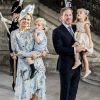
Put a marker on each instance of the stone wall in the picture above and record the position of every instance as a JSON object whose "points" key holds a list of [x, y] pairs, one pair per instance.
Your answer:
{"points": [[4, 50]]}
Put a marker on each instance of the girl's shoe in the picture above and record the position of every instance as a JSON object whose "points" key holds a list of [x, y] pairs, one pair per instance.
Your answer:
{"points": [[87, 74], [76, 64]]}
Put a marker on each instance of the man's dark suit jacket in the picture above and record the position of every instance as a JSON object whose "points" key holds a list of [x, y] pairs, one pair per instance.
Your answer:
{"points": [[63, 41]]}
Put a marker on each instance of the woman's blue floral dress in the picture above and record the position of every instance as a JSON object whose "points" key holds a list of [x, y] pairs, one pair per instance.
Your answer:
{"points": [[26, 87]]}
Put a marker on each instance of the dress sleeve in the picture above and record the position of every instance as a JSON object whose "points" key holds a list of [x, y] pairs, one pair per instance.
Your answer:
{"points": [[41, 35], [87, 22], [22, 53]]}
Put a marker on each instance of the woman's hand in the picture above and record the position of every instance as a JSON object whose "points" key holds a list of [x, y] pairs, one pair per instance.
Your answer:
{"points": [[35, 54], [44, 53]]}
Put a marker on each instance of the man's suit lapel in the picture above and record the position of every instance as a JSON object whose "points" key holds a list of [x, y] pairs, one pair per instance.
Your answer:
{"points": [[66, 32]]}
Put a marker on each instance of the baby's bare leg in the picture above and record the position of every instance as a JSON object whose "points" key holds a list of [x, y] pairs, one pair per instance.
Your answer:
{"points": [[29, 60]]}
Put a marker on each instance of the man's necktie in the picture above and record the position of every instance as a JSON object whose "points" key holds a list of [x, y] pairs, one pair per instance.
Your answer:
{"points": [[70, 30]]}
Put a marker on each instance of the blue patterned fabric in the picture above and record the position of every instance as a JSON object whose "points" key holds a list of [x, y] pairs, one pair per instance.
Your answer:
{"points": [[26, 87], [43, 44]]}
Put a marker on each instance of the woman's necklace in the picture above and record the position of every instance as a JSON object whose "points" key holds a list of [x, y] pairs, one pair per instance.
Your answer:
{"points": [[22, 30]]}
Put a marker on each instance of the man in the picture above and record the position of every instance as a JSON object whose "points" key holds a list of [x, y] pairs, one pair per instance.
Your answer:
{"points": [[63, 41], [15, 11], [68, 3]]}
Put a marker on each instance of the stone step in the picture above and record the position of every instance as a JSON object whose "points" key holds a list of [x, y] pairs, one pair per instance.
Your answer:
{"points": [[94, 59], [97, 73], [5, 9], [97, 46], [96, 70], [50, 62], [96, 40], [96, 67], [93, 78], [51, 17], [91, 82]]}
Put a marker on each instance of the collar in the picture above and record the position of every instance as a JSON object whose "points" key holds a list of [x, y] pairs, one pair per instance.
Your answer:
{"points": [[66, 25]]}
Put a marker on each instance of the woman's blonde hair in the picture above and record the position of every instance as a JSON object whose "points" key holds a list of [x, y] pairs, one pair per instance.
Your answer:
{"points": [[44, 23], [86, 13]]}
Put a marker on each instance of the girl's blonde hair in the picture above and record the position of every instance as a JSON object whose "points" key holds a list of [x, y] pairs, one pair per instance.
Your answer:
{"points": [[86, 13], [44, 23]]}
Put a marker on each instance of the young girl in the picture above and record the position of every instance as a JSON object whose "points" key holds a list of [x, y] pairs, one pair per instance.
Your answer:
{"points": [[40, 41], [83, 38]]}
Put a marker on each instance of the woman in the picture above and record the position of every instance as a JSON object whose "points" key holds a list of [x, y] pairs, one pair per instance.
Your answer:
{"points": [[22, 44]]}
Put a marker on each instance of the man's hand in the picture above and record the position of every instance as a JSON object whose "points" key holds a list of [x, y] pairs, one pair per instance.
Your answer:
{"points": [[13, 55], [75, 44]]}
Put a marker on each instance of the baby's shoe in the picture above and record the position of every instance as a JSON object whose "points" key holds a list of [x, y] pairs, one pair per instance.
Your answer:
{"points": [[87, 74], [77, 63]]}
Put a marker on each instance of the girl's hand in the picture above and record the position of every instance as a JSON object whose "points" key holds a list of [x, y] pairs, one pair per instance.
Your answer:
{"points": [[37, 30]]}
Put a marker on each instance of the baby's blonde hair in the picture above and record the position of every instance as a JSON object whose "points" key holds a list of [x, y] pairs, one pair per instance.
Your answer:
{"points": [[44, 23], [86, 13]]}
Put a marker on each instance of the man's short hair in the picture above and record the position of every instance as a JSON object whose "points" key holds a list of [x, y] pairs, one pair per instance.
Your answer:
{"points": [[64, 9]]}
